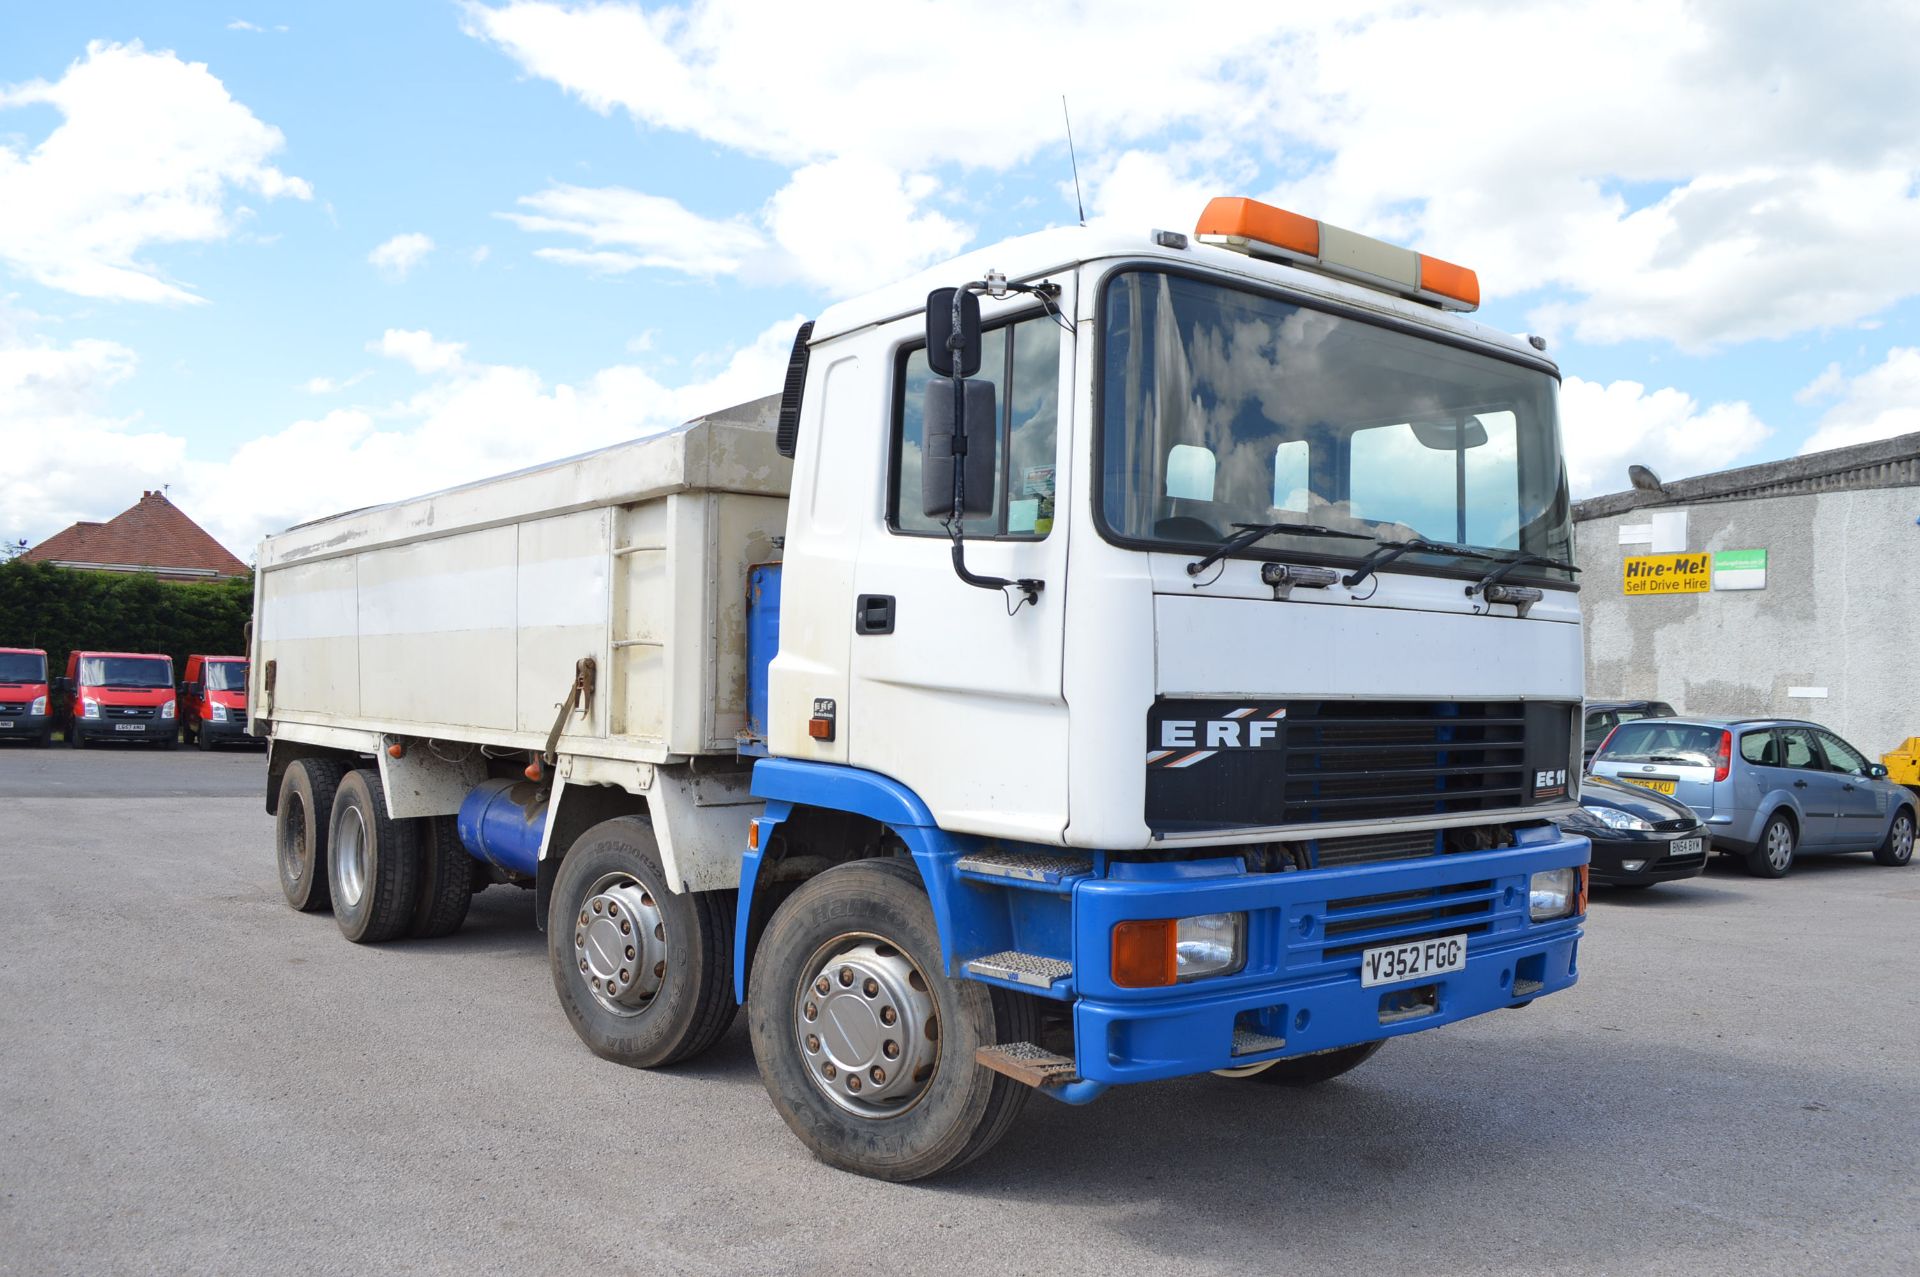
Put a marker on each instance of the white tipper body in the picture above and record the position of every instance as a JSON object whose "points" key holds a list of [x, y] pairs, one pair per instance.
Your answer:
{"points": [[458, 617]]}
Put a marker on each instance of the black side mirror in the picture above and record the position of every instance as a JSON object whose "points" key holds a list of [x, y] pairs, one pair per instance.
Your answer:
{"points": [[1878, 771], [190, 690], [942, 357], [938, 454]]}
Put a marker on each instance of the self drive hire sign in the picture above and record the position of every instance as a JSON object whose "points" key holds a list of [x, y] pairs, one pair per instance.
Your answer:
{"points": [[1668, 574]]}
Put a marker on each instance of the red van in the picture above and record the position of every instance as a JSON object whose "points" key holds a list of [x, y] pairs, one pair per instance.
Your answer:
{"points": [[117, 696], [213, 701], [23, 696]]}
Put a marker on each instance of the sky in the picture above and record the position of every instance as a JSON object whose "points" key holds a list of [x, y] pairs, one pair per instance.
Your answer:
{"points": [[289, 257]]}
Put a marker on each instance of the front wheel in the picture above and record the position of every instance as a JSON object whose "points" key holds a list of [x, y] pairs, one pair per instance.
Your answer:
{"points": [[865, 1046], [1321, 1066], [1898, 848], [642, 971], [1773, 856]]}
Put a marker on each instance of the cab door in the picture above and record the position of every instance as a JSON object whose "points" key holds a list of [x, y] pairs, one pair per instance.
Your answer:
{"points": [[955, 690], [1815, 788]]}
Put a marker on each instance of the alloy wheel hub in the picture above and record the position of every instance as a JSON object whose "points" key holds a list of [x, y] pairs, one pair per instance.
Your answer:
{"points": [[868, 1030]]}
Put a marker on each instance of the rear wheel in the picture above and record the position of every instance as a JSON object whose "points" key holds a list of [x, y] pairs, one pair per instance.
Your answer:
{"points": [[302, 819], [1898, 848], [1773, 855], [201, 739], [1321, 1066], [74, 738], [373, 862], [446, 880], [865, 1046], [44, 739], [642, 971]]}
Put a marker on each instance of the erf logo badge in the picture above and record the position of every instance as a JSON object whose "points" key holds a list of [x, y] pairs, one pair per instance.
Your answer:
{"points": [[1550, 784], [1186, 741]]}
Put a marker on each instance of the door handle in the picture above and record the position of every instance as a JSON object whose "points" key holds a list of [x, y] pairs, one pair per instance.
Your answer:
{"points": [[1848, 788], [1799, 784], [873, 614]]}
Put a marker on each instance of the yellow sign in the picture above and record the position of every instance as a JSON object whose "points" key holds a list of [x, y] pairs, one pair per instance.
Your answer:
{"points": [[1668, 574]]}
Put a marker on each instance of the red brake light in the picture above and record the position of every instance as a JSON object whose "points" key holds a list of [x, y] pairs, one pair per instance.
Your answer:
{"points": [[1723, 757], [1606, 740]]}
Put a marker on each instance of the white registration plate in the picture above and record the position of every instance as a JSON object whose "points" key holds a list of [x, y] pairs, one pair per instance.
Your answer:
{"points": [[1392, 963], [6, 722], [1684, 847], [129, 727]]}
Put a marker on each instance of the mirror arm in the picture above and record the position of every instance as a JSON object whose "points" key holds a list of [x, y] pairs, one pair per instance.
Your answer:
{"points": [[956, 339]]}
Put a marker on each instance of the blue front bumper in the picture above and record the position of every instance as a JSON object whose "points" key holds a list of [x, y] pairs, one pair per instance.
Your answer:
{"points": [[1300, 989]]}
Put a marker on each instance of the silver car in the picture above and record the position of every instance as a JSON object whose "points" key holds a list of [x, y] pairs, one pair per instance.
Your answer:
{"points": [[1767, 789]]}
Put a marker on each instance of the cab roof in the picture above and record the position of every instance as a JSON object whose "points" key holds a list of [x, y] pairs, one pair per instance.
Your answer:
{"points": [[1041, 254]]}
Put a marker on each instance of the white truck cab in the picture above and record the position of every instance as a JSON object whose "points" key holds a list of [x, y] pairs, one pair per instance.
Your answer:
{"points": [[1161, 657]]}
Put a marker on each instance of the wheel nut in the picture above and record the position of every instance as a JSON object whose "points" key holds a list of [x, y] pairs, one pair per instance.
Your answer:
{"points": [[583, 917], [871, 988], [888, 1015], [828, 1071], [823, 986], [853, 1082], [811, 1011], [625, 975], [579, 939], [583, 966], [813, 1042], [878, 1074], [890, 1049], [846, 977], [613, 911], [626, 928], [598, 906], [629, 953]]}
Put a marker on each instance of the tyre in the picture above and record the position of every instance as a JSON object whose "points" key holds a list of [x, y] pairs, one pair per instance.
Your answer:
{"points": [[74, 738], [44, 739], [1898, 848], [201, 739], [1772, 856], [446, 880], [373, 862], [1321, 1066], [865, 1046], [643, 972], [171, 741], [302, 820]]}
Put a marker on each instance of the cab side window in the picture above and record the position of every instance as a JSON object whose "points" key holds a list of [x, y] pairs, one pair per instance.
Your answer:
{"points": [[1023, 362]]}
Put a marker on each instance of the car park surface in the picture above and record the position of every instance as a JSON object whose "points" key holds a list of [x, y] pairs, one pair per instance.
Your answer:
{"points": [[249, 1093]]}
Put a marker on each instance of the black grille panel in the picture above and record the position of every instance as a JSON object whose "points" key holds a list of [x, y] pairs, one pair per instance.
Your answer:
{"points": [[1365, 921], [12, 710], [127, 711], [1221, 764], [1374, 847]]}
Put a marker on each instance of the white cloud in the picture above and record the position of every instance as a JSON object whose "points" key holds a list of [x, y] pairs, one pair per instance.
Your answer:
{"points": [[1551, 147], [630, 229], [1881, 402], [397, 257], [241, 24], [480, 254], [146, 153], [333, 385], [65, 456], [420, 349], [1606, 428]]}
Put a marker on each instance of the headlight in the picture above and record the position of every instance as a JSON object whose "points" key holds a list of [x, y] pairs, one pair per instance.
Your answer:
{"points": [[218, 713], [39, 705], [89, 708], [1210, 944], [1613, 818], [166, 710], [1550, 894]]}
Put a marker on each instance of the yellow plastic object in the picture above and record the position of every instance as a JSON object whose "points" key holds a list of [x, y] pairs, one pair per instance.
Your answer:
{"points": [[1903, 764]]}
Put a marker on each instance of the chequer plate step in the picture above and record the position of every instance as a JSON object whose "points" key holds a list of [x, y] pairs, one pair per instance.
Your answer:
{"points": [[1024, 866], [1025, 1062], [1022, 968]]}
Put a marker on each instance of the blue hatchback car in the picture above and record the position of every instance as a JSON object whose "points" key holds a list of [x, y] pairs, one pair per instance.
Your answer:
{"points": [[1767, 789]]}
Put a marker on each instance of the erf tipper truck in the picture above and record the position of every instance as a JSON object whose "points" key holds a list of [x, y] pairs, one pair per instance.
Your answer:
{"points": [[1112, 658]]}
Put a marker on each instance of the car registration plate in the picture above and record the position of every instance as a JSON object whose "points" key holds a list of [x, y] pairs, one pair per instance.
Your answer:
{"points": [[1684, 847], [6, 722], [1392, 963], [129, 727], [1657, 786]]}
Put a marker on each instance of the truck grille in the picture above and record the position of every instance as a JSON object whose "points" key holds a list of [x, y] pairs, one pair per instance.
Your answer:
{"points": [[11, 710], [127, 711], [1400, 845], [1364, 921], [1218, 764]]}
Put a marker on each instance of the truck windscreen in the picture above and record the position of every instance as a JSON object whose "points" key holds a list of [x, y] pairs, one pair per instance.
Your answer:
{"points": [[125, 671], [1223, 408], [22, 667]]}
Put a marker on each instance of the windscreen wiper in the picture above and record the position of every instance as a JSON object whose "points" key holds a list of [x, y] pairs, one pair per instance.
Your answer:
{"points": [[1509, 563], [1388, 551], [1251, 532]]}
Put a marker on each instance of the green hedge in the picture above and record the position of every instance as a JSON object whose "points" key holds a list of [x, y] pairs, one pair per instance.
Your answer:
{"points": [[60, 609]]}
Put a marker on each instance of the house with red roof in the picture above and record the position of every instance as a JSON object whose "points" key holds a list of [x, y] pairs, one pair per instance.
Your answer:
{"points": [[155, 537]]}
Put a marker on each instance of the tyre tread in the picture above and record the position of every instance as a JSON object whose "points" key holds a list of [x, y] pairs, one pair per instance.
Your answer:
{"points": [[447, 875]]}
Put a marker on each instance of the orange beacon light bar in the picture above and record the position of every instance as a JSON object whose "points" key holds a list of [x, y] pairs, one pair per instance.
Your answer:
{"points": [[1261, 230]]}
